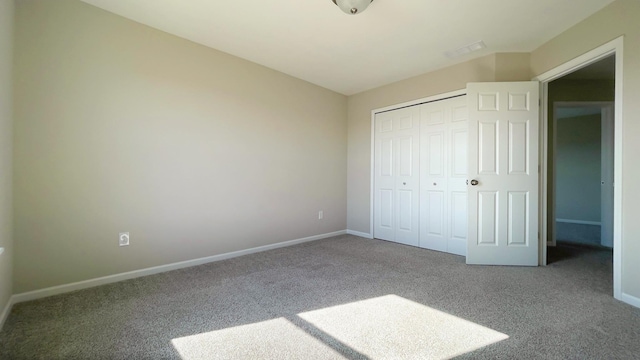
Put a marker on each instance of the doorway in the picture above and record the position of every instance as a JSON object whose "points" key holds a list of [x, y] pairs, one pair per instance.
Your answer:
{"points": [[582, 160], [609, 53], [580, 156]]}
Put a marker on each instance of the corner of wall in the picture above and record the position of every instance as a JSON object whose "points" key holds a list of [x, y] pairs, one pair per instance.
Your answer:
{"points": [[7, 15], [513, 67]]}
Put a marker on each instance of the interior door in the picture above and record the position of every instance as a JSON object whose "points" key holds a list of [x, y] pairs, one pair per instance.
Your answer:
{"points": [[396, 180], [503, 173]]}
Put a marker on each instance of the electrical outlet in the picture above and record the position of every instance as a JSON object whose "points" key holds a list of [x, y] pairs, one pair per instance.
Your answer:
{"points": [[320, 215], [123, 239]]}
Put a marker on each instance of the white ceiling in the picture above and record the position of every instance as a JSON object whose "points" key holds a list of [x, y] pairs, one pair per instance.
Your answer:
{"points": [[392, 40]]}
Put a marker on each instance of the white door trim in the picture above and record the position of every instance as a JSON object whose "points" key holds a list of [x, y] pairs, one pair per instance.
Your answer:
{"points": [[373, 118], [607, 153], [613, 47]]}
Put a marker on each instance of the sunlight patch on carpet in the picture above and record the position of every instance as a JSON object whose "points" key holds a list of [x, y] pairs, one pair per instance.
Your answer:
{"points": [[392, 327], [386, 327], [272, 339]]}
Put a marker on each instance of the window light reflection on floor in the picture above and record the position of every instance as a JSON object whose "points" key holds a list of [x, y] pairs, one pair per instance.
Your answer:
{"points": [[391, 327], [271, 339], [387, 327]]}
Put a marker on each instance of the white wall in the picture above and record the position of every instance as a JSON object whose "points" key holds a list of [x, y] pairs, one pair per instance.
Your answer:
{"points": [[6, 105], [120, 127]]}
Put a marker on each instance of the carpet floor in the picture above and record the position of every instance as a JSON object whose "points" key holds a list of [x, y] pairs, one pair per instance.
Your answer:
{"points": [[339, 298]]}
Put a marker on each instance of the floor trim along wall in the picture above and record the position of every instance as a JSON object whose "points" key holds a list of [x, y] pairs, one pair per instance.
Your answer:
{"points": [[359, 233], [38, 294], [631, 300], [579, 222], [5, 312]]}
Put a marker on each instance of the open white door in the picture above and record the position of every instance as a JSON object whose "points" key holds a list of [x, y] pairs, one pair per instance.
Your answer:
{"points": [[503, 173]]}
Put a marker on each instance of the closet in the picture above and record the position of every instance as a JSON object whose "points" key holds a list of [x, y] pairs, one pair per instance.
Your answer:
{"points": [[420, 174]]}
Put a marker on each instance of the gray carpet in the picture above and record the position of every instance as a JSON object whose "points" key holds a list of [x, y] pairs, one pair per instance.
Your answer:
{"points": [[343, 297]]}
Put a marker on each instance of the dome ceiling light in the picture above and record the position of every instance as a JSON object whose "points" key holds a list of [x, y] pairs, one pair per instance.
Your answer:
{"points": [[352, 7]]}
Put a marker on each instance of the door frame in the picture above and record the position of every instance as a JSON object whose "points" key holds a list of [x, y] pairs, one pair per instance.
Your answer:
{"points": [[373, 119], [614, 47], [605, 120]]}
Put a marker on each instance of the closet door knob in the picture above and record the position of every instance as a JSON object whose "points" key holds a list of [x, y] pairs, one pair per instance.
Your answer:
{"points": [[474, 182]]}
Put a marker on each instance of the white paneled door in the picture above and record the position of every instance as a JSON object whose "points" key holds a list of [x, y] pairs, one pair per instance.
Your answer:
{"points": [[443, 175], [503, 173], [396, 177]]}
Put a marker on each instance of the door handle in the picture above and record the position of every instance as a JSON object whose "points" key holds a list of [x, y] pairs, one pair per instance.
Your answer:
{"points": [[474, 182]]}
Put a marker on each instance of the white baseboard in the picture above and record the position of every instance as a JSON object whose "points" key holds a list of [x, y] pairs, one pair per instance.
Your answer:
{"points": [[55, 290], [631, 300], [580, 222], [358, 233], [6, 311]]}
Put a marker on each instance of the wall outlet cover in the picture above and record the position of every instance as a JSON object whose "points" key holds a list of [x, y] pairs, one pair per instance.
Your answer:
{"points": [[123, 239]]}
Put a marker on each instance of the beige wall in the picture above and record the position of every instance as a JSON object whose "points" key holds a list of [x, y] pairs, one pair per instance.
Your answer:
{"points": [[496, 67], [6, 60], [120, 127], [619, 18], [513, 67]]}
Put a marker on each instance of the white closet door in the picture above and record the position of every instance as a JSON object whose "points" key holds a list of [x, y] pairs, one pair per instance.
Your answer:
{"points": [[503, 166], [458, 170], [396, 180], [443, 173]]}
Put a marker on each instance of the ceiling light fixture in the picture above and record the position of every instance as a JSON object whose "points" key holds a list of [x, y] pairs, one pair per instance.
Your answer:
{"points": [[352, 7]]}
